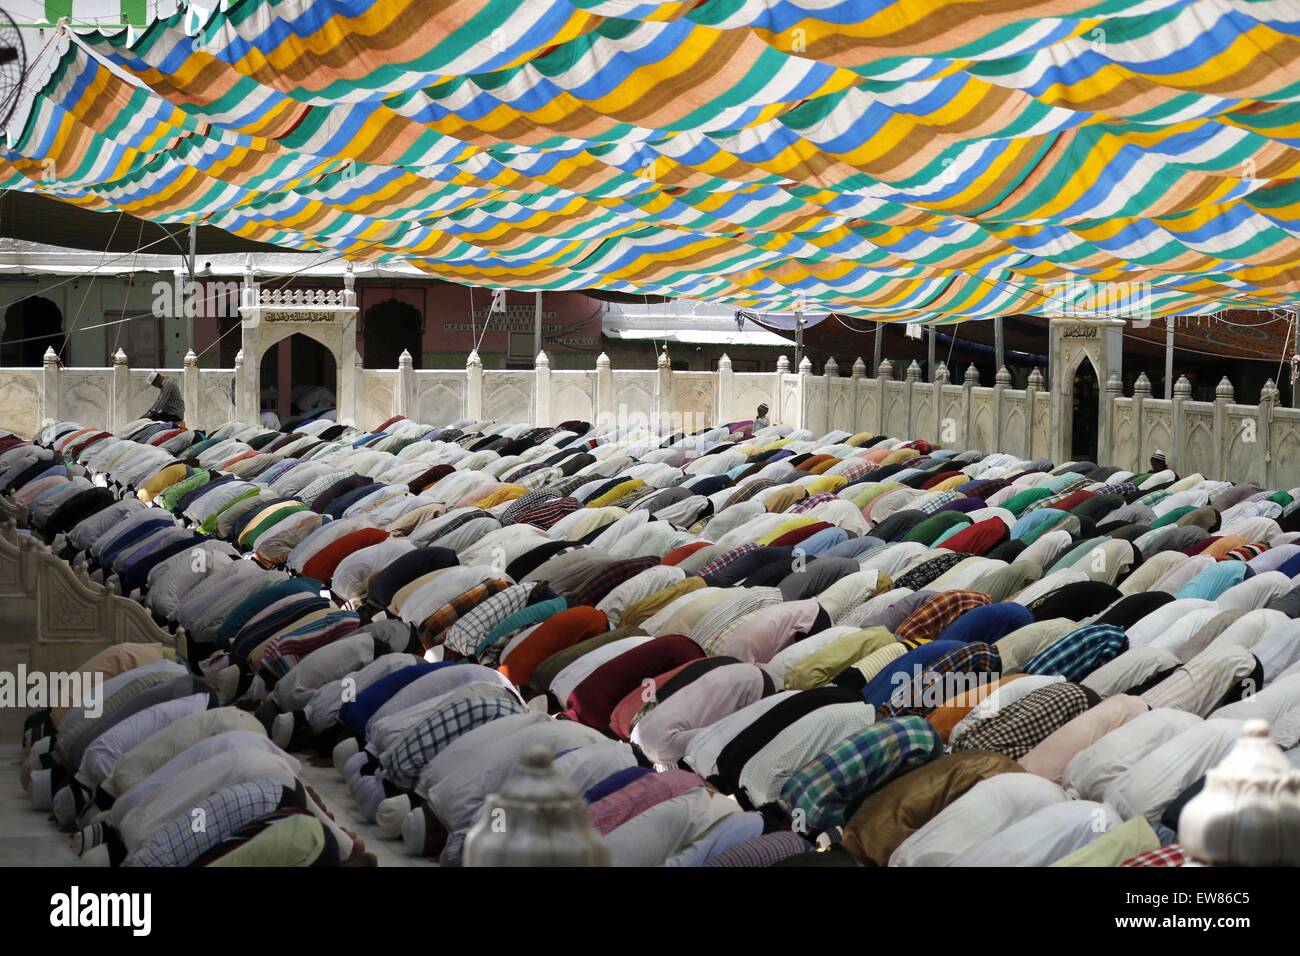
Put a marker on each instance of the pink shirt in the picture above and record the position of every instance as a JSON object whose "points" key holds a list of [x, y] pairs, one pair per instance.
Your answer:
{"points": [[1049, 758], [762, 635]]}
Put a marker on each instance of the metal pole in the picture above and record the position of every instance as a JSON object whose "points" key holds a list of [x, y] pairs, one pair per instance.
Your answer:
{"points": [[537, 324], [193, 289], [876, 357], [999, 350], [1169, 357], [798, 339], [929, 352]]}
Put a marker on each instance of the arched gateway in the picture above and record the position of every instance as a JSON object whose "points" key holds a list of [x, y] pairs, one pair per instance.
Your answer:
{"points": [[328, 316]]}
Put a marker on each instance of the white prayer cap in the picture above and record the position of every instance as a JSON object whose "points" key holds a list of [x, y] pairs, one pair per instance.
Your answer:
{"points": [[390, 815], [344, 749]]}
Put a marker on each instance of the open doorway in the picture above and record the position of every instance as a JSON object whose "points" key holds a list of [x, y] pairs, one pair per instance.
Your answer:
{"points": [[299, 379], [32, 325], [391, 327], [1085, 396]]}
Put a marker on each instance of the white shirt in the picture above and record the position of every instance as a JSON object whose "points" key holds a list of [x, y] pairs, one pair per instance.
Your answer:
{"points": [[983, 811], [1156, 780], [664, 830], [1092, 770], [1043, 837], [766, 772]]}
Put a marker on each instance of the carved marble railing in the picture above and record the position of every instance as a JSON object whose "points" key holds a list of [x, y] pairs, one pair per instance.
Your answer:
{"points": [[58, 611], [1220, 439]]}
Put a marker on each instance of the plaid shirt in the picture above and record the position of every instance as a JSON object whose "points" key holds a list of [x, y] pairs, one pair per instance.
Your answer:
{"points": [[463, 636], [402, 764], [823, 789], [725, 559], [1052, 500], [930, 569], [1023, 725], [608, 578], [490, 647], [526, 503], [811, 502], [970, 659], [762, 850], [749, 490], [1079, 653], [937, 500], [928, 621], [1171, 855], [611, 812], [188, 836], [434, 627]]}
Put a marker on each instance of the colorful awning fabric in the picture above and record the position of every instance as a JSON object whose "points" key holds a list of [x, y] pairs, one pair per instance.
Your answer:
{"points": [[917, 160]]}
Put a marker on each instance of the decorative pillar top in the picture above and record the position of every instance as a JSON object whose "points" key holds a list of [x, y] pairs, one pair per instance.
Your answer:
{"points": [[1036, 378], [239, 358], [832, 367], [547, 821], [1182, 387], [886, 370], [51, 357], [602, 360], [913, 373], [724, 362], [782, 365], [191, 360], [542, 361], [805, 366], [663, 359], [1223, 391], [859, 368], [1003, 378], [404, 360], [941, 376], [1248, 813], [1142, 386], [119, 357], [1269, 395], [1115, 383], [972, 376], [473, 359]]}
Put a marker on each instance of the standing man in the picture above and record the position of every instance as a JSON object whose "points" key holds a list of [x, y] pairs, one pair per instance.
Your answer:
{"points": [[760, 418], [170, 406]]}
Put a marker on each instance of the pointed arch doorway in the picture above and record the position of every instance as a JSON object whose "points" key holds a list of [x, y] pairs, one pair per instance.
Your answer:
{"points": [[1085, 402], [298, 375]]}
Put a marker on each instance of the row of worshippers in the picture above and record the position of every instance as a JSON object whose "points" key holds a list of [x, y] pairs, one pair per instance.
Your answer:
{"points": [[750, 637]]}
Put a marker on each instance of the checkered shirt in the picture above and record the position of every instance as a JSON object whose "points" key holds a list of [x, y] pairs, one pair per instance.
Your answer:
{"points": [[189, 835], [434, 628], [471, 627], [928, 621], [822, 790], [970, 659], [402, 764], [1171, 855], [1079, 653], [1023, 725]]}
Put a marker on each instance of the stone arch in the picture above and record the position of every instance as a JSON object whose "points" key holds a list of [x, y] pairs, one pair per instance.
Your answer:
{"points": [[1083, 406], [312, 374]]}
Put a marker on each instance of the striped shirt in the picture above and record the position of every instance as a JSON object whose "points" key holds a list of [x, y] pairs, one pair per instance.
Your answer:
{"points": [[170, 404], [954, 673]]}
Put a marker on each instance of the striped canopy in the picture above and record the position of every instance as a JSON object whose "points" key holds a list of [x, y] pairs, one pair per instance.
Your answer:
{"points": [[917, 160]]}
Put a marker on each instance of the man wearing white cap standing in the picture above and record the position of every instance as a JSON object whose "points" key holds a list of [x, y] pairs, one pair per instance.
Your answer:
{"points": [[170, 406]]}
